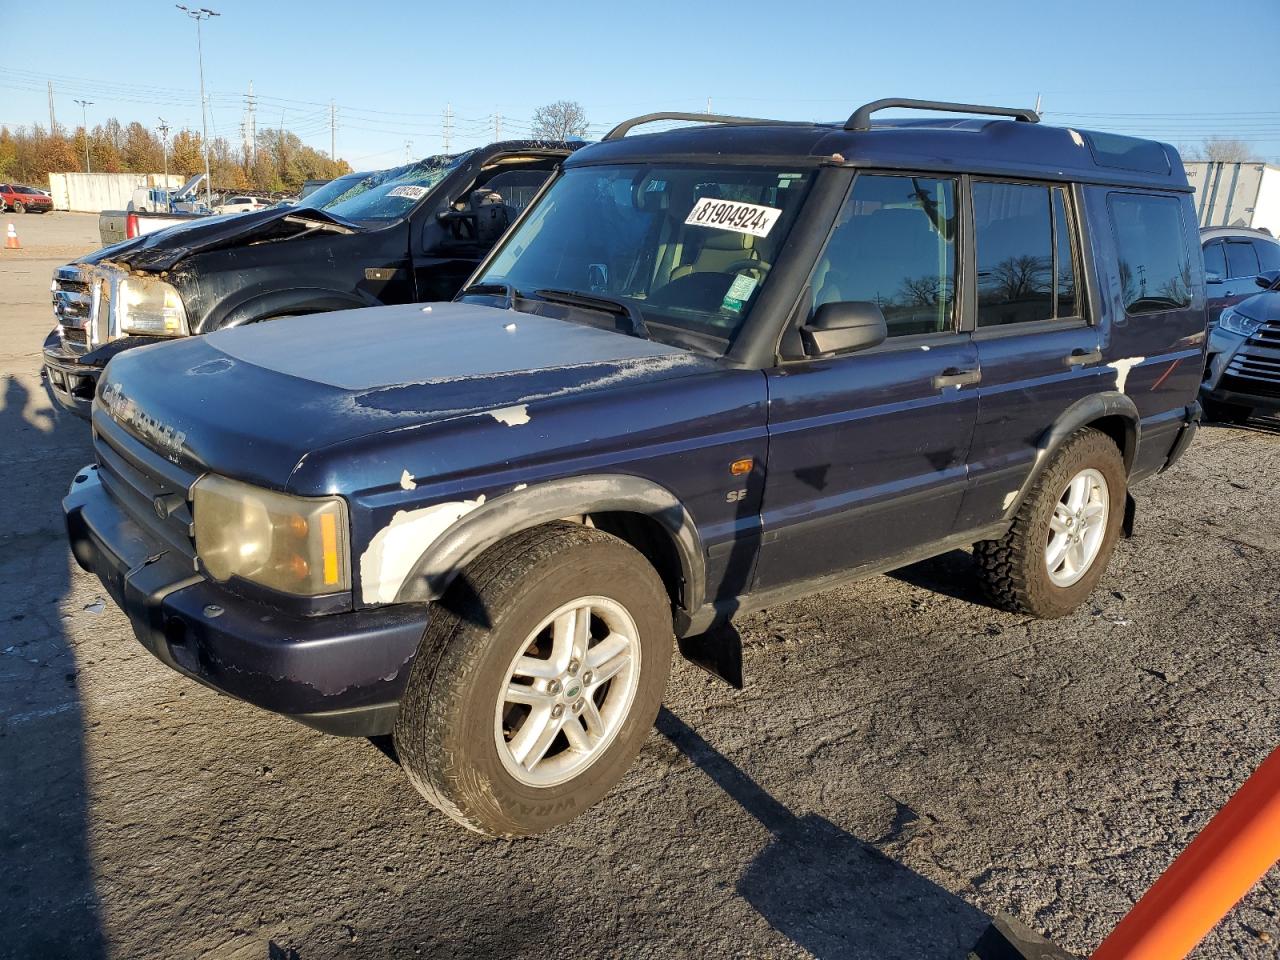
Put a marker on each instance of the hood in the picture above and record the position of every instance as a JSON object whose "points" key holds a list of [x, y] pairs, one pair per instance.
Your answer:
{"points": [[159, 251], [252, 402], [1264, 306]]}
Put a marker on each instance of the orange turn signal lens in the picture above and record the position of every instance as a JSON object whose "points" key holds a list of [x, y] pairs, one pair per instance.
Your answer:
{"points": [[329, 547], [741, 467]]}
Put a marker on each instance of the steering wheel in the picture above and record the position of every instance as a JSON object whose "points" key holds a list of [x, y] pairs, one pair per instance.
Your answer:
{"points": [[747, 263]]}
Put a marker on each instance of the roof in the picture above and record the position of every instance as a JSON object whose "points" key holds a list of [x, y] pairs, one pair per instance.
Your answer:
{"points": [[1251, 233], [999, 147]]}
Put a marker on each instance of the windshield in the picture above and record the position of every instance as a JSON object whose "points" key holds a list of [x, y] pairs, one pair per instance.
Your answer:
{"points": [[387, 194], [330, 191], [689, 248]]}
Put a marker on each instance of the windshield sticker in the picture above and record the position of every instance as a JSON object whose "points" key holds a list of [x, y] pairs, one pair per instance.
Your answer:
{"points": [[733, 215], [739, 293], [409, 192]]}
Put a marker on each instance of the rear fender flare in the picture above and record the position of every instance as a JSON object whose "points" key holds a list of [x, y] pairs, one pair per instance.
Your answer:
{"points": [[497, 519], [1081, 414]]}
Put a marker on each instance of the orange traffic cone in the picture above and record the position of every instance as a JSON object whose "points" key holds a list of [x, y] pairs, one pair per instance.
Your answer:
{"points": [[11, 239]]}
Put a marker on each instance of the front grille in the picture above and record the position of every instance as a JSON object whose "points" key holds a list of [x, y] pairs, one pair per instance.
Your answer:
{"points": [[73, 307], [1255, 367], [138, 477]]}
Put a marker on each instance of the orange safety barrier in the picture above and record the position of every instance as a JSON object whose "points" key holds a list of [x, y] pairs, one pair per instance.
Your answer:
{"points": [[1228, 857]]}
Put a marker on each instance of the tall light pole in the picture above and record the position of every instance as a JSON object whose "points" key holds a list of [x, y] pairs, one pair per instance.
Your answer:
{"points": [[201, 14], [84, 113]]}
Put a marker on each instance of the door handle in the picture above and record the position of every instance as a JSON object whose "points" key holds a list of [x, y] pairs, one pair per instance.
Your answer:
{"points": [[955, 377], [1079, 356]]}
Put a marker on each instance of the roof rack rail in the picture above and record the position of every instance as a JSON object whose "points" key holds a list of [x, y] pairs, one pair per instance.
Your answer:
{"points": [[622, 129], [861, 118]]}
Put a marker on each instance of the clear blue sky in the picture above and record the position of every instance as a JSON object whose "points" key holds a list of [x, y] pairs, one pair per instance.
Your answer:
{"points": [[1180, 71]]}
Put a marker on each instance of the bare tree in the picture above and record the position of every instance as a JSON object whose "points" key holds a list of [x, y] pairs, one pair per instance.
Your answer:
{"points": [[1221, 149], [560, 121]]}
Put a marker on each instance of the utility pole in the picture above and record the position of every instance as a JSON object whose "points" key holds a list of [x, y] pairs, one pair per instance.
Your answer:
{"points": [[164, 146], [497, 124], [53, 120], [84, 113], [333, 131], [708, 104], [200, 15], [408, 150], [253, 126], [448, 125]]}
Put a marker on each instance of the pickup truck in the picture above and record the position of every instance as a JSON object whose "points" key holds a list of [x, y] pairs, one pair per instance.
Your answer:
{"points": [[708, 370], [395, 236], [152, 209]]}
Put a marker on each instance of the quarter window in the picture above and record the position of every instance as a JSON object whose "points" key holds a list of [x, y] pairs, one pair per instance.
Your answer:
{"points": [[1025, 260], [1215, 261], [894, 245], [1268, 254], [1155, 269]]}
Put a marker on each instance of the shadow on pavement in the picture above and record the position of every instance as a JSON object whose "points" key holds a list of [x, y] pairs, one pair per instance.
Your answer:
{"points": [[951, 574], [50, 908], [826, 890]]}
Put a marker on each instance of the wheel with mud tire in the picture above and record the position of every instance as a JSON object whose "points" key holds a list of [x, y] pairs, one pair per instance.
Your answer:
{"points": [[1220, 412], [538, 680], [1063, 533], [19, 207]]}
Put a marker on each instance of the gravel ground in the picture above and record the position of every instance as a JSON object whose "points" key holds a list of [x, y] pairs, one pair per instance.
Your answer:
{"points": [[904, 763]]}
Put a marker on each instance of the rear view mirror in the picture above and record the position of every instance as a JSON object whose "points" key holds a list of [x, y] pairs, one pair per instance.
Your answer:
{"points": [[1267, 279], [843, 326]]}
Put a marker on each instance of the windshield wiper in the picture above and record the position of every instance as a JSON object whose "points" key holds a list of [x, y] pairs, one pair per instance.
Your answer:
{"points": [[494, 286], [597, 301], [321, 220]]}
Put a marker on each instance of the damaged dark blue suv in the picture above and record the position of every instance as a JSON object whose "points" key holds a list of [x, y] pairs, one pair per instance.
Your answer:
{"points": [[706, 370]]}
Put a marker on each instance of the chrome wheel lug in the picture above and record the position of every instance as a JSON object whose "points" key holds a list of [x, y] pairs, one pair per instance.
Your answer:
{"points": [[557, 711], [554, 688], [588, 677], [573, 668], [577, 707]]}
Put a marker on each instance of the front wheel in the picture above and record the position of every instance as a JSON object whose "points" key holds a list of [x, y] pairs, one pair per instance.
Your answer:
{"points": [[1063, 534], [19, 207], [538, 680]]}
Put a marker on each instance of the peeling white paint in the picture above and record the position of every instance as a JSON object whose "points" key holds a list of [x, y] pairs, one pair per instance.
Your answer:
{"points": [[406, 481], [396, 547], [1122, 368], [519, 486], [1079, 140], [1009, 497], [510, 328], [512, 416]]}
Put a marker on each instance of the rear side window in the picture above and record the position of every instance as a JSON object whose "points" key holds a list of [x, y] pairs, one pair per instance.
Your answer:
{"points": [[894, 246], [1241, 260], [1025, 258], [1155, 269]]}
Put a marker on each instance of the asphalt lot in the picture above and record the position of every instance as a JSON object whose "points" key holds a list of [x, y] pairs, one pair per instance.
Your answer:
{"points": [[904, 763]]}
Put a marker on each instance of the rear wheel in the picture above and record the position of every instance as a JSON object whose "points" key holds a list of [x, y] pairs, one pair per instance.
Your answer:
{"points": [[19, 207], [1063, 535], [538, 680], [1221, 412]]}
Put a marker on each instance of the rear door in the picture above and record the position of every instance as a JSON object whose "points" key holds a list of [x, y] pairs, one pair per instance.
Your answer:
{"points": [[1038, 351], [867, 451]]}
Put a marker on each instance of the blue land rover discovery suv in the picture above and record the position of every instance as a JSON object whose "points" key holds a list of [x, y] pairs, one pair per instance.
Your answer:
{"points": [[707, 369]]}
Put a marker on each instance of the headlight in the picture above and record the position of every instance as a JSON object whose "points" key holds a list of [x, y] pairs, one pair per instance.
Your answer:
{"points": [[297, 545], [150, 307], [1235, 322]]}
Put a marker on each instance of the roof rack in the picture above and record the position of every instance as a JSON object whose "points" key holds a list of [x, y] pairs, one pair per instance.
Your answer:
{"points": [[622, 129], [861, 118]]}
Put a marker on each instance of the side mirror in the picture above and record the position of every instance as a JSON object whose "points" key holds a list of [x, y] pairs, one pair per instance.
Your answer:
{"points": [[844, 326], [1267, 279]]}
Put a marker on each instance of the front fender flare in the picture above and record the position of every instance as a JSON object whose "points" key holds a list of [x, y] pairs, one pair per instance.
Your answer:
{"points": [[299, 300], [1080, 414], [510, 513]]}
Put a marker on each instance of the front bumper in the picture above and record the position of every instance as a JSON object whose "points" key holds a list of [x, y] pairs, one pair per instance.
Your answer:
{"points": [[1255, 383], [71, 382], [340, 673]]}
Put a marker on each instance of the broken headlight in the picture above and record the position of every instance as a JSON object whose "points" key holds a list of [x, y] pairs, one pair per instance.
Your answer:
{"points": [[150, 307], [296, 545]]}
